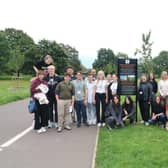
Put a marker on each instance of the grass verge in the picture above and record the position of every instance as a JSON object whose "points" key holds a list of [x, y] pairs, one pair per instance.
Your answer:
{"points": [[132, 147], [10, 90]]}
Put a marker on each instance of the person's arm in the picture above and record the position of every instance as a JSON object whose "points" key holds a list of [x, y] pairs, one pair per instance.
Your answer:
{"points": [[133, 110], [36, 70], [159, 89], [86, 96], [57, 90], [106, 89], [73, 96], [94, 94]]}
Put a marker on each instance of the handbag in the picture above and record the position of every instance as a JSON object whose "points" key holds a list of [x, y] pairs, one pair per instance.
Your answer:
{"points": [[32, 106]]}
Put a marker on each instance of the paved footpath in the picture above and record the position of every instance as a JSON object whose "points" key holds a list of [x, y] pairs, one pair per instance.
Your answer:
{"points": [[22, 147]]}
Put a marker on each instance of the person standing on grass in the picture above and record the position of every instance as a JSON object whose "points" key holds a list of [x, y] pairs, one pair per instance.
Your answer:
{"points": [[158, 112], [65, 92], [113, 88], [144, 97], [38, 91], [129, 110], [163, 88], [109, 79], [80, 99], [114, 113], [100, 96], [91, 111], [53, 79]]}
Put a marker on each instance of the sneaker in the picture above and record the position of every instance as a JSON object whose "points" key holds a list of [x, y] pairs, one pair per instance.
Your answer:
{"points": [[146, 123], [142, 122], [68, 128], [86, 124], [99, 124], [103, 124], [49, 124], [59, 129], [78, 125], [41, 130], [54, 125]]}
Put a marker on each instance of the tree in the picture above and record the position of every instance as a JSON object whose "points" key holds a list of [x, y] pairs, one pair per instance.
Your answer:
{"points": [[16, 60], [20, 45], [73, 57], [54, 49], [106, 60], [146, 51], [122, 55], [4, 52], [160, 62]]}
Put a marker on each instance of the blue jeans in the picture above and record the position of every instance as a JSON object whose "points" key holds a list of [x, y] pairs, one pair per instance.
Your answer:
{"points": [[91, 113], [80, 111], [161, 118]]}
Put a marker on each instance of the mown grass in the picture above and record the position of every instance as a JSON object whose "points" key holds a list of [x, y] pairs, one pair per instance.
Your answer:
{"points": [[136, 146], [11, 90]]}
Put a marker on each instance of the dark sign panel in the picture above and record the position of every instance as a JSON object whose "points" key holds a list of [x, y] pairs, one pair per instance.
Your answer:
{"points": [[127, 72]]}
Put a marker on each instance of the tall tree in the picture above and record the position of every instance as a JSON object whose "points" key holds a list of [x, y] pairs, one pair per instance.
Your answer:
{"points": [[161, 62], [4, 52], [146, 51], [106, 60], [54, 49]]}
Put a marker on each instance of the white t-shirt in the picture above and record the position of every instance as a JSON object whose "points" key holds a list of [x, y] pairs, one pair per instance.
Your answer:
{"points": [[101, 86], [163, 87], [90, 88], [114, 87]]}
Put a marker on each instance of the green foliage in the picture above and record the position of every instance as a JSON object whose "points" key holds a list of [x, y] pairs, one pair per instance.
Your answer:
{"points": [[18, 52], [161, 62], [106, 60], [145, 51]]}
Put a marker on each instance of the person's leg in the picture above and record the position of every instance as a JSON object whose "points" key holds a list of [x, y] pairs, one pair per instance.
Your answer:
{"points": [[37, 124], [50, 116], [55, 108], [44, 115], [103, 102], [162, 119], [97, 107], [89, 111], [83, 111], [68, 118], [60, 109], [78, 112], [110, 122], [141, 107], [146, 111]]}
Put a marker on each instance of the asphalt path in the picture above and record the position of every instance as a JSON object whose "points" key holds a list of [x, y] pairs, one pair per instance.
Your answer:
{"points": [[69, 149]]}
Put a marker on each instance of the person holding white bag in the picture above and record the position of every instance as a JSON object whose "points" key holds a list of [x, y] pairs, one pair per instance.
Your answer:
{"points": [[38, 90]]}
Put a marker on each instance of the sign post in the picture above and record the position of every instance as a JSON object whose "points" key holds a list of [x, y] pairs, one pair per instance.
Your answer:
{"points": [[127, 73]]}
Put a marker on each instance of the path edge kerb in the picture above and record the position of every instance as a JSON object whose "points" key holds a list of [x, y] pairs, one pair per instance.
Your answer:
{"points": [[95, 149]]}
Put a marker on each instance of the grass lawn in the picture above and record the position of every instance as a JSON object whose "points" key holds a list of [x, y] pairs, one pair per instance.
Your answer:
{"points": [[136, 146], [10, 92]]}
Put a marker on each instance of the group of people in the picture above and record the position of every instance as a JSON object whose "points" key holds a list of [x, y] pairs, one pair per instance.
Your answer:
{"points": [[153, 99], [92, 100]]}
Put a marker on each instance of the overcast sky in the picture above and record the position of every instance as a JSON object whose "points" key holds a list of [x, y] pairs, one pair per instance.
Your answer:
{"points": [[89, 25]]}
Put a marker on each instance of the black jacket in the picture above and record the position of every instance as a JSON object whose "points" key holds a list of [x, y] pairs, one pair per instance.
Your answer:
{"points": [[145, 92], [154, 86], [114, 111], [52, 83]]}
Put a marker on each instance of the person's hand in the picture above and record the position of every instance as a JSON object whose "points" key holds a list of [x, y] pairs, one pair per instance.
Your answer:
{"points": [[85, 102], [94, 101], [106, 101], [124, 118], [154, 117]]}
